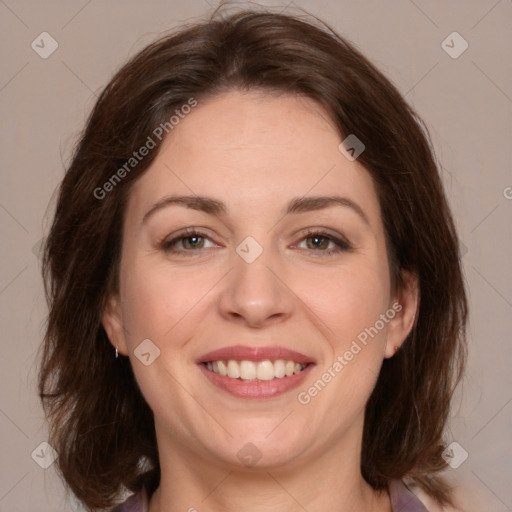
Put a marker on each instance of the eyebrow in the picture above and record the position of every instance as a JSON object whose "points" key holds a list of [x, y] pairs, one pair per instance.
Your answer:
{"points": [[218, 208]]}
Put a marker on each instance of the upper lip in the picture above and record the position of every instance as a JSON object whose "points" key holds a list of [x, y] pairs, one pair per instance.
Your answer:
{"points": [[242, 352]]}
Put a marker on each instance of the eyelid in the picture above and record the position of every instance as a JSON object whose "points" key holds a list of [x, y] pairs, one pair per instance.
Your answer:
{"points": [[189, 232], [342, 244]]}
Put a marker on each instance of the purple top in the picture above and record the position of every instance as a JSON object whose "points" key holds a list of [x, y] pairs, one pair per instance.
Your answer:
{"points": [[402, 500]]}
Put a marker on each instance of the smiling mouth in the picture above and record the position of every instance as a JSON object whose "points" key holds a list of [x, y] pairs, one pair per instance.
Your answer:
{"points": [[265, 370]]}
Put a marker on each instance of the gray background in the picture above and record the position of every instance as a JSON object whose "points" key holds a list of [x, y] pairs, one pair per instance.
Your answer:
{"points": [[465, 101]]}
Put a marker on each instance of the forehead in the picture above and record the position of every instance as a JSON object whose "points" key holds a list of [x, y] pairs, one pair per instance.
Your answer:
{"points": [[254, 150]]}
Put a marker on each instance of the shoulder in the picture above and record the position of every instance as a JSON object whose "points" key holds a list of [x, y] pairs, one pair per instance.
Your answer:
{"points": [[403, 499], [430, 504], [137, 502], [464, 500]]}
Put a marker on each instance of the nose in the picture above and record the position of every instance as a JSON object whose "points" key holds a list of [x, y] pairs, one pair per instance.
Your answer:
{"points": [[256, 293]]}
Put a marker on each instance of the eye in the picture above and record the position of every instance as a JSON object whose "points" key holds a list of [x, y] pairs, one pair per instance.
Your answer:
{"points": [[324, 242], [191, 240]]}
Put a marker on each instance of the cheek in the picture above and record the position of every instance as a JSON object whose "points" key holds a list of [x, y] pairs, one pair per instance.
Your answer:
{"points": [[356, 335], [160, 302], [350, 302]]}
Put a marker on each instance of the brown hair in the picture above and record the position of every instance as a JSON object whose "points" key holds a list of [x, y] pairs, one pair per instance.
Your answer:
{"points": [[100, 424]]}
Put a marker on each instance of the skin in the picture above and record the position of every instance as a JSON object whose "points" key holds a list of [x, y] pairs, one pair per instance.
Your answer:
{"points": [[255, 152]]}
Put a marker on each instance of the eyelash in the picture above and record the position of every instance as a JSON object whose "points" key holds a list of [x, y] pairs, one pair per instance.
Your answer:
{"points": [[340, 243]]}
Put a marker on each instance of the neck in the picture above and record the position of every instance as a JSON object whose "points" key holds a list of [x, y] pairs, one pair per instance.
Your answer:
{"points": [[189, 483]]}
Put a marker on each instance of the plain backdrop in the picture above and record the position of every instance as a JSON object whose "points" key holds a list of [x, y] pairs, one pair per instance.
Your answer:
{"points": [[465, 100]]}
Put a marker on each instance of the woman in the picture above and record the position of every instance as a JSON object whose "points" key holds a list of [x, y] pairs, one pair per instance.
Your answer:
{"points": [[254, 224]]}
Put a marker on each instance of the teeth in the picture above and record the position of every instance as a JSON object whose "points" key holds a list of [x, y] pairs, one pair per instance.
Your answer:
{"points": [[265, 370], [222, 369], [248, 370], [233, 369], [279, 368], [252, 370]]}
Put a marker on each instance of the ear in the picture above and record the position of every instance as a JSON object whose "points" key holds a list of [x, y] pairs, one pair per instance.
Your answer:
{"points": [[406, 304], [112, 322]]}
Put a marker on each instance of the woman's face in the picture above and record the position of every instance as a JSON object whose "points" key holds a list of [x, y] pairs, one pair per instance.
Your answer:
{"points": [[255, 273]]}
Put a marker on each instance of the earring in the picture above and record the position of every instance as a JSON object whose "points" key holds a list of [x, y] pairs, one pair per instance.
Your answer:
{"points": [[117, 353]]}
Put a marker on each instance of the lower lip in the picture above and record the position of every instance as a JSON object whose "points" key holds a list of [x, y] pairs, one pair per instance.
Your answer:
{"points": [[256, 388]]}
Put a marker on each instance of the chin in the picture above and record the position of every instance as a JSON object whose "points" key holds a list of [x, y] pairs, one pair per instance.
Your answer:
{"points": [[267, 449]]}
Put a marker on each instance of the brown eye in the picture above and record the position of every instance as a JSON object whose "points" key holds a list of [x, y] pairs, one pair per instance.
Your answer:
{"points": [[323, 242], [193, 242], [318, 242], [187, 242]]}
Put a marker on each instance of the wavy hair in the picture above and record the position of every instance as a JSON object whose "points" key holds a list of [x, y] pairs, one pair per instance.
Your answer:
{"points": [[100, 424]]}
